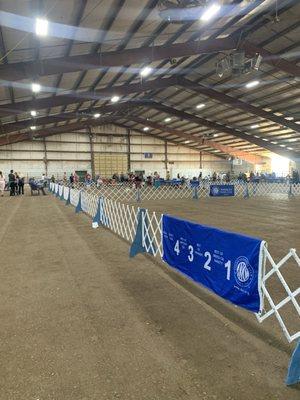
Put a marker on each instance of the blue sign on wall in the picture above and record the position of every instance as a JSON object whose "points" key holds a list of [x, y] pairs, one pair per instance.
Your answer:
{"points": [[148, 155], [227, 263], [221, 190]]}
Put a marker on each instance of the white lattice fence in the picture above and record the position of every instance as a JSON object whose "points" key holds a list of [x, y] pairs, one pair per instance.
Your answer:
{"points": [[280, 294], [66, 192], [74, 197]]}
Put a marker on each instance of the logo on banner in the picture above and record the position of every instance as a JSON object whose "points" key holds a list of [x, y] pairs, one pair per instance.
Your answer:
{"points": [[215, 190], [243, 272]]}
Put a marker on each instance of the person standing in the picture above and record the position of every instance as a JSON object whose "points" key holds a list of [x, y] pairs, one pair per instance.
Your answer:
{"points": [[2, 184], [12, 182], [21, 183]]}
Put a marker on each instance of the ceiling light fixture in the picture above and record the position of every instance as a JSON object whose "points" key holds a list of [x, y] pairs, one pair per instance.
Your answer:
{"points": [[41, 27], [252, 84], [146, 128], [33, 128], [35, 87], [255, 126], [168, 119], [97, 115], [115, 99], [146, 71], [291, 148], [33, 113], [198, 106], [289, 118], [210, 12]]}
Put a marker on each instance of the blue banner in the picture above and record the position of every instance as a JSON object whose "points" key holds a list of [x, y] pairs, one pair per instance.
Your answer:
{"points": [[227, 263], [221, 190]]}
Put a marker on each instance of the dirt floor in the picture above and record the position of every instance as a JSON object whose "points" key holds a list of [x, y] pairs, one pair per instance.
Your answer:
{"points": [[80, 321]]}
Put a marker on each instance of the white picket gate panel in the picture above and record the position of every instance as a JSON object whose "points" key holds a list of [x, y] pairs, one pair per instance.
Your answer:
{"points": [[291, 328]]}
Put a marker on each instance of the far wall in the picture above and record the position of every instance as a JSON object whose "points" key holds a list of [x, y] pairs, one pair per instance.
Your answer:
{"points": [[72, 151]]}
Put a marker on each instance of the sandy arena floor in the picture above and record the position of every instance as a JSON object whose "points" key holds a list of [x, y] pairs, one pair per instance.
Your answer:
{"points": [[80, 321]]}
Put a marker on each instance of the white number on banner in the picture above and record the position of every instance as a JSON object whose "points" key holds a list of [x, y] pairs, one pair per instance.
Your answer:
{"points": [[176, 248], [191, 255], [207, 262], [228, 267]]}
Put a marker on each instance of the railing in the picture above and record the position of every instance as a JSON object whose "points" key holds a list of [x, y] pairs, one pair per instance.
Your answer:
{"points": [[123, 220], [129, 193]]}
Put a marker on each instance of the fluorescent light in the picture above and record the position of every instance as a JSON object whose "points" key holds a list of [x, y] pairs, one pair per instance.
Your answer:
{"points": [[255, 126], [282, 145], [97, 115], [115, 99], [187, 141], [216, 135], [266, 140], [252, 84], [210, 12], [168, 119], [291, 148], [146, 128], [200, 105], [35, 87], [146, 71], [33, 113], [274, 142], [41, 27], [33, 128], [289, 118]]}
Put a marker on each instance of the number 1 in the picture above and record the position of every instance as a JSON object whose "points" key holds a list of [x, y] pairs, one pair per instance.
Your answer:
{"points": [[228, 267]]}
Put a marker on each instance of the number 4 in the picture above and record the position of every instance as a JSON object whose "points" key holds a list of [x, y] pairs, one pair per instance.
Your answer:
{"points": [[176, 248]]}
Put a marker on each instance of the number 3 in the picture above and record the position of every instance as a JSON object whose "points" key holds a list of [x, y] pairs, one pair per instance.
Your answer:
{"points": [[191, 255]]}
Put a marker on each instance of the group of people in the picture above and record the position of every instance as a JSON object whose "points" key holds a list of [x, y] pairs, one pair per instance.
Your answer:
{"points": [[15, 183], [140, 178]]}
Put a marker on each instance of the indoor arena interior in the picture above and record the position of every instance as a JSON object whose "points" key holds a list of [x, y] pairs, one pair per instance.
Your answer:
{"points": [[149, 200]]}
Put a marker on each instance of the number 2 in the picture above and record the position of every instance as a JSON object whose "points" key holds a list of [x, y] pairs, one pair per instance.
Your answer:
{"points": [[207, 262]]}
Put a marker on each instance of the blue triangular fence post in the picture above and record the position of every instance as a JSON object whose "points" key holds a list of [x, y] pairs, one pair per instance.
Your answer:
{"points": [[293, 375], [57, 193], [138, 195], [246, 193], [62, 194], [68, 201], [290, 193], [137, 244], [78, 207], [98, 216]]}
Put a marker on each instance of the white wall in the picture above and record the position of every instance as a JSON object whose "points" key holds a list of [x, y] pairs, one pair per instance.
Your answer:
{"points": [[71, 151]]}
